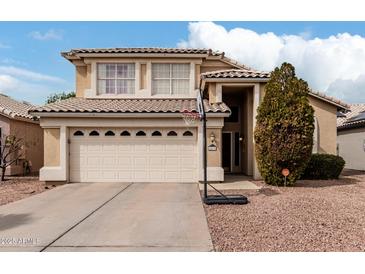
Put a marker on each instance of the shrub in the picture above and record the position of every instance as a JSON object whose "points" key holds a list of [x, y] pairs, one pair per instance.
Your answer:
{"points": [[324, 166], [284, 128], [59, 96]]}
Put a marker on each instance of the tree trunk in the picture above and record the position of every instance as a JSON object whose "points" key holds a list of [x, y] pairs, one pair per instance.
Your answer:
{"points": [[3, 170]]}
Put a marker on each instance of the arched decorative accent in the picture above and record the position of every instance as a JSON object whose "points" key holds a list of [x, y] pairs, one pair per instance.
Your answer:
{"points": [[188, 133], [156, 133], [78, 133], [109, 133], [94, 133], [141, 133], [315, 136], [172, 133], [125, 133]]}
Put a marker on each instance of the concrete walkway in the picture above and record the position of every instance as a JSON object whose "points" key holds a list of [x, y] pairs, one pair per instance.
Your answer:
{"points": [[107, 217], [234, 182]]}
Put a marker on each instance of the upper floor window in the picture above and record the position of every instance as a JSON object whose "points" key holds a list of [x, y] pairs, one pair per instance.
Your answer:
{"points": [[116, 78], [170, 79]]}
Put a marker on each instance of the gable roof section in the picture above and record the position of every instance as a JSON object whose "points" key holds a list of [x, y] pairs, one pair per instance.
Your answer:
{"points": [[141, 50], [352, 119], [263, 75], [235, 73], [75, 54], [84, 105], [14, 109]]}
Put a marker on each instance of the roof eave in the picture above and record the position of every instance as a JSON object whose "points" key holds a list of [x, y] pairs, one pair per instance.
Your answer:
{"points": [[121, 114], [73, 56], [351, 126], [33, 120], [205, 80]]}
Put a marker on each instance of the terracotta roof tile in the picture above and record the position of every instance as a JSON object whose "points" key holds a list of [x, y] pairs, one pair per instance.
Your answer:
{"points": [[13, 108], [142, 50], [345, 122], [83, 105], [235, 73]]}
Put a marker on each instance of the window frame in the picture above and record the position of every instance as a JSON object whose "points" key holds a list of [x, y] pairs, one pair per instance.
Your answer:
{"points": [[171, 79], [115, 79]]}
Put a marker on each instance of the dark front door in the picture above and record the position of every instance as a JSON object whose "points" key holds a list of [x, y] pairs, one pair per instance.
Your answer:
{"points": [[227, 150]]}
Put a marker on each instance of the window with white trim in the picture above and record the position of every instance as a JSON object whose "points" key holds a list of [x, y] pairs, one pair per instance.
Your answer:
{"points": [[171, 79], [118, 78]]}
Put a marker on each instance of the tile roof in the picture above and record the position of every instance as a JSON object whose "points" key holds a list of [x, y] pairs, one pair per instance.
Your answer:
{"points": [[14, 109], [84, 105], [345, 122], [250, 73], [142, 50], [73, 53], [235, 73]]}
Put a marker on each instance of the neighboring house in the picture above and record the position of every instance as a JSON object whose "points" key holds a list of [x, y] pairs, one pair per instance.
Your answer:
{"points": [[126, 122], [15, 120], [351, 137]]}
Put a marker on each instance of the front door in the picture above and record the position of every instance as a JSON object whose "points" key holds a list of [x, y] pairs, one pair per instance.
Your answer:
{"points": [[227, 151], [231, 156]]}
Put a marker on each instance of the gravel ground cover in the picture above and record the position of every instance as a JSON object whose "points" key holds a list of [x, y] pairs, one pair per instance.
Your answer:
{"points": [[326, 215], [15, 188]]}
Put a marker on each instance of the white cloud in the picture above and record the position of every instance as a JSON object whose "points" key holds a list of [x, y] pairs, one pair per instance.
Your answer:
{"points": [[48, 35], [31, 75], [8, 82], [353, 91], [27, 85], [335, 65], [11, 61]]}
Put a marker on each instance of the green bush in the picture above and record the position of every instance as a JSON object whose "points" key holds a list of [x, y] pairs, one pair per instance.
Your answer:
{"points": [[284, 128], [323, 167]]}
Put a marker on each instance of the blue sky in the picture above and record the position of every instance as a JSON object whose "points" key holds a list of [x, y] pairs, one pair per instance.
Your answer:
{"points": [[31, 66]]}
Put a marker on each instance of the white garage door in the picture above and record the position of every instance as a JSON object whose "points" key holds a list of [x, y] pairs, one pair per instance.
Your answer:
{"points": [[133, 155]]}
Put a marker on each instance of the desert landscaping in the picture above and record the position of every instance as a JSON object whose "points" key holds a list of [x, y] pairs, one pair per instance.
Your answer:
{"points": [[314, 215]]}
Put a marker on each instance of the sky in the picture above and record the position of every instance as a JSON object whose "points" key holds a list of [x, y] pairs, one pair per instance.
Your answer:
{"points": [[330, 56]]}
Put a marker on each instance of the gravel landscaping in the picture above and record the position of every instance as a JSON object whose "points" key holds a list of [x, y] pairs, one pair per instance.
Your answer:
{"points": [[15, 188], [312, 216]]}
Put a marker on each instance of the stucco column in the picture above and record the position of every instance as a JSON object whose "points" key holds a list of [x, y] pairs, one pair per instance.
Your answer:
{"points": [[58, 170], [63, 153], [256, 102]]}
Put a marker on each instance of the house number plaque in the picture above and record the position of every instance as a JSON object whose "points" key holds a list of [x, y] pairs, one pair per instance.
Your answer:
{"points": [[212, 147]]}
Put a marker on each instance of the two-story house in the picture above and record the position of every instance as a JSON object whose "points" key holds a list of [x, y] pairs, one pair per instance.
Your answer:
{"points": [[128, 120]]}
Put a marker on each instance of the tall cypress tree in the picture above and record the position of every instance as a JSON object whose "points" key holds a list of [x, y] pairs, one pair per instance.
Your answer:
{"points": [[284, 127]]}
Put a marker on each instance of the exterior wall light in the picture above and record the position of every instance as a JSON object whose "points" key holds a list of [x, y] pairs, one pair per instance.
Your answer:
{"points": [[212, 138]]}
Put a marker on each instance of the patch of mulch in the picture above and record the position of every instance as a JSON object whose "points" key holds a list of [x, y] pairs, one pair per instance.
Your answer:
{"points": [[16, 188], [323, 215]]}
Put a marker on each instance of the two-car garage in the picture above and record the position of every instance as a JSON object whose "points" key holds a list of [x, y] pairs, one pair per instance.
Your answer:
{"points": [[133, 155]]}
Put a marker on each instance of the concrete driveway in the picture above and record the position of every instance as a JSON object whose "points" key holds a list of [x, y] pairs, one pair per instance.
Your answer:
{"points": [[107, 217]]}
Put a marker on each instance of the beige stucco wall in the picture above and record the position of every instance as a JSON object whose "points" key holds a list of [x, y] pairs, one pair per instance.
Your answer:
{"points": [[326, 115], [214, 157], [51, 147], [83, 80], [351, 147], [143, 78], [31, 134], [83, 73]]}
